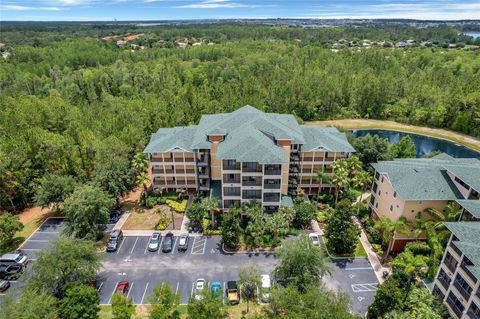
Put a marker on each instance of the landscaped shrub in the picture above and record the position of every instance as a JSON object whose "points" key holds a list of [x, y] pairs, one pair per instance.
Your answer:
{"points": [[419, 248], [212, 232], [163, 222], [378, 249], [151, 201], [178, 207]]}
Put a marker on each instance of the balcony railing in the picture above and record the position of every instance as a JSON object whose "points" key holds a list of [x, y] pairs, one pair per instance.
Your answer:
{"points": [[178, 160], [251, 183], [190, 171], [329, 159], [273, 172], [232, 167], [168, 159], [232, 193], [308, 159], [467, 271], [465, 294], [455, 248], [235, 180], [250, 169], [293, 170], [157, 171], [445, 283], [271, 198], [271, 186], [180, 171], [189, 159], [157, 159]]}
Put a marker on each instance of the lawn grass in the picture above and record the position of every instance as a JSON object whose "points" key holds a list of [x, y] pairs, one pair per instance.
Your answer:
{"points": [[142, 219], [358, 252]]}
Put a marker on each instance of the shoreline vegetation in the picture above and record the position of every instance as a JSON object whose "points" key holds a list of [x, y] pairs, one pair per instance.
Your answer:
{"points": [[465, 140]]}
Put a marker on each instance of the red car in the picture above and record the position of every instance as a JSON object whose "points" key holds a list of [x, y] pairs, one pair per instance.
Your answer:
{"points": [[123, 287], [4, 285]]}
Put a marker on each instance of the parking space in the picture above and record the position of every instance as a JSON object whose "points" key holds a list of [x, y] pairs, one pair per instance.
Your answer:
{"points": [[40, 240], [199, 245]]}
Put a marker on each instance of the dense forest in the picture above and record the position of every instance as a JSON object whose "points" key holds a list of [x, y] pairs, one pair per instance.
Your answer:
{"points": [[68, 99]]}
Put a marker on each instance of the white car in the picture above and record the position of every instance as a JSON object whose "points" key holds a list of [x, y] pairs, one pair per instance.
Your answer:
{"points": [[265, 288], [200, 284], [315, 239], [154, 242]]}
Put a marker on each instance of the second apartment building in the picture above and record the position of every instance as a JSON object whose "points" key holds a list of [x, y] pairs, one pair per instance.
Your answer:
{"points": [[245, 155]]}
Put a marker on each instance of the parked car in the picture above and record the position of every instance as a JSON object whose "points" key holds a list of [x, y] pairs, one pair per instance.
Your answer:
{"points": [[216, 288], [167, 245], [154, 242], [200, 284], [116, 238], [10, 272], [232, 292], [315, 239], [4, 285], [123, 287], [183, 242], [265, 288], [15, 258]]}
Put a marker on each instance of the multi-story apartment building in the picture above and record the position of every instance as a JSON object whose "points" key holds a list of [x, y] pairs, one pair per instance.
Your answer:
{"points": [[407, 187], [458, 279], [245, 155]]}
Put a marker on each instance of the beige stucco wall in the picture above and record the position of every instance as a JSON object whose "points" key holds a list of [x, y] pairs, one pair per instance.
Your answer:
{"points": [[215, 163], [407, 208], [465, 192]]}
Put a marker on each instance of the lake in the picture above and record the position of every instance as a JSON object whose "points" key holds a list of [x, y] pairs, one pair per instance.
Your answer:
{"points": [[423, 144], [475, 35]]}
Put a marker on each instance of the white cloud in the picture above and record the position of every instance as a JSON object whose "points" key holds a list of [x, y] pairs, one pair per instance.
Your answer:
{"points": [[12, 7], [215, 4]]}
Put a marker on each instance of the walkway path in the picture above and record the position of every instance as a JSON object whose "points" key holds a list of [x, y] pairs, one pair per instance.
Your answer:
{"points": [[381, 124]]}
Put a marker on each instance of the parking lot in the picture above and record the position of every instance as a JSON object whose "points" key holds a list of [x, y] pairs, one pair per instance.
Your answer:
{"points": [[204, 258]]}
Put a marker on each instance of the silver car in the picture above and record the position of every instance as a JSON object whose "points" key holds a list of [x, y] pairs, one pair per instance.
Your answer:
{"points": [[154, 242]]}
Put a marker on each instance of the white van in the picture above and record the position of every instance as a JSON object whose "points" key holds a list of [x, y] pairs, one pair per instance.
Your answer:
{"points": [[17, 258]]}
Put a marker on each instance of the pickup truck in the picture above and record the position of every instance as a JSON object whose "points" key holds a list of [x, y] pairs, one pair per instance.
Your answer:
{"points": [[233, 293]]}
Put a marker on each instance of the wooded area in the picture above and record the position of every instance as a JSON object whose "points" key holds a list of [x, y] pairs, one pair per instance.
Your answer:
{"points": [[70, 101]]}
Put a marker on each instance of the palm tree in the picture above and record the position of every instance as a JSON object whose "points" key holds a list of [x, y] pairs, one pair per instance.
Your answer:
{"points": [[140, 162], [143, 179], [362, 180], [388, 229], [210, 204], [322, 177], [449, 214]]}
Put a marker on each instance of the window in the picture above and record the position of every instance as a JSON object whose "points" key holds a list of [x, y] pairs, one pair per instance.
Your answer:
{"points": [[444, 279], [437, 292], [376, 205], [382, 179], [377, 175], [474, 311], [450, 262], [455, 304], [391, 208], [458, 180], [394, 194], [462, 286], [379, 192]]}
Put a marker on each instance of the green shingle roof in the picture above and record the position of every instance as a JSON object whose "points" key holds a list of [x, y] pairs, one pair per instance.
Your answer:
{"points": [[466, 174], [468, 234], [424, 178], [250, 136], [471, 205]]}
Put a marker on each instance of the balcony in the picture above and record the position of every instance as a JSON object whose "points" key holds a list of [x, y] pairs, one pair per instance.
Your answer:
{"points": [[273, 172], [168, 159], [230, 165], [178, 160], [156, 159], [294, 158], [157, 171], [251, 168], [227, 192], [329, 159], [307, 159], [293, 170], [189, 159], [464, 265], [190, 171], [171, 183], [204, 186], [271, 197], [231, 178], [179, 171], [455, 249], [257, 195], [455, 304], [252, 183], [272, 186], [203, 160]]}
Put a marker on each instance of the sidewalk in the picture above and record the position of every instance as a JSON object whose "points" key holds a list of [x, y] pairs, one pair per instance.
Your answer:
{"points": [[372, 256], [147, 233]]}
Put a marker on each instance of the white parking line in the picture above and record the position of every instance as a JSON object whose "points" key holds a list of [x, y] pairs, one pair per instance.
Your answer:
{"points": [[130, 290], [146, 247], [200, 243], [38, 240], [47, 232], [223, 293], [174, 245], [176, 290], [160, 245], [144, 292], [131, 251], [193, 285], [100, 287], [364, 287], [30, 249], [121, 245], [114, 288]]}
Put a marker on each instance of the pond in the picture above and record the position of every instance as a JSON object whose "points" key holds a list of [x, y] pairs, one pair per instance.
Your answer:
{"points": [[423, 144]]}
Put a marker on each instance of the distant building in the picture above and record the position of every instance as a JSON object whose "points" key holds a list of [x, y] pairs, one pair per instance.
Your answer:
{"points": [[245, 155], [121, 43], [407, 187]]}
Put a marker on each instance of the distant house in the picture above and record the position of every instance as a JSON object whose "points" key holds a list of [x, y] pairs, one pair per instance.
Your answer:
{"points": [[121, 43]]}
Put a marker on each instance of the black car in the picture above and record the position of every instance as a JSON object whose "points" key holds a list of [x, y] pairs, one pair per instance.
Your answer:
{"points": [[116, 238], [167, 244], [10, 272]]}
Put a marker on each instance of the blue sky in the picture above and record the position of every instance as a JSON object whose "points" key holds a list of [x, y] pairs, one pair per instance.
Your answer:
{"points": [[108, 10]]}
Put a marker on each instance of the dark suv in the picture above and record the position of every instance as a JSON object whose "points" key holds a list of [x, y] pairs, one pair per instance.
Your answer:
{"points": [[116, 238], [10, 272], [167, 244]]}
